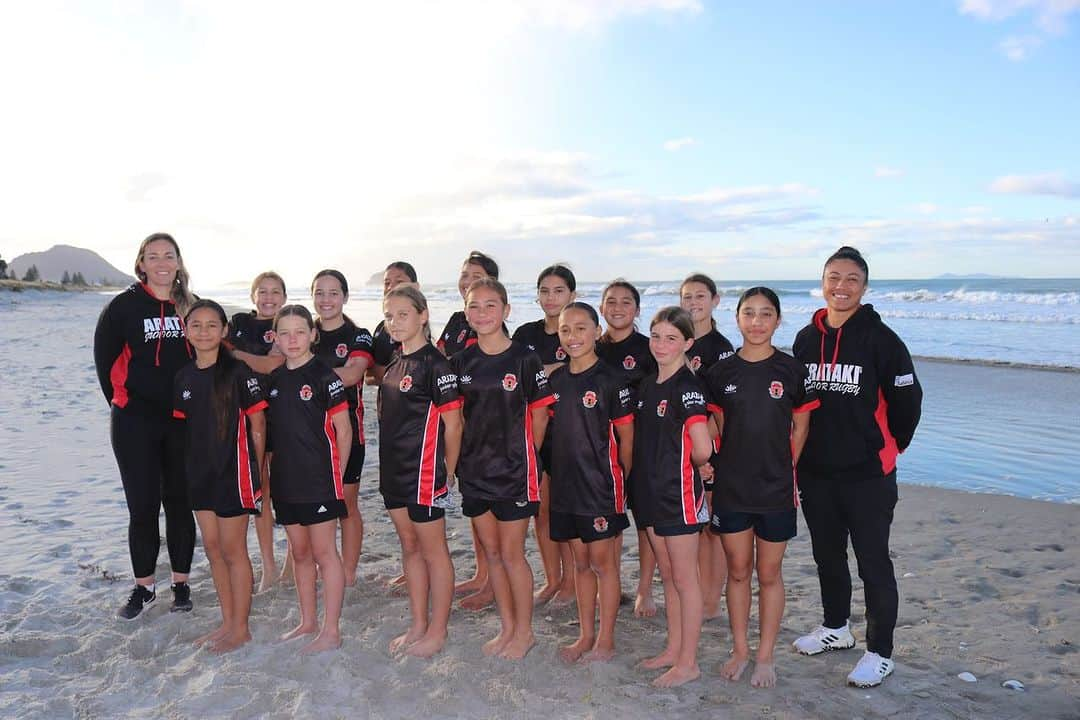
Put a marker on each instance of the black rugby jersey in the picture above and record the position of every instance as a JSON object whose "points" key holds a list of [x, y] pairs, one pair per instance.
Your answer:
{"points": [[708, 349], [630, 356], [586, 478], [225, 469], [498, 456], [416, 389], [251, 334], [757, 400], [383, 346], [533, 335], [457, 335], [334, 348], [306, 466], [665, 487]]}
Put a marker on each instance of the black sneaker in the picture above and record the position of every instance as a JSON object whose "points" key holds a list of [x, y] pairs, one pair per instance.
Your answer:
{"points": [[181, 601], [139, 599]]}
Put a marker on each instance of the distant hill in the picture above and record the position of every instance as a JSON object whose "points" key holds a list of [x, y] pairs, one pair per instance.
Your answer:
{"points": [[54, 262]]}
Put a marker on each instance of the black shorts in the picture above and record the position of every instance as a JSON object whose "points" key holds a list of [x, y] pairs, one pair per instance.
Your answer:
{"points": [[222, 501], [587, 528], [676, 530], [770, 527], [355, 465], [503, 510], [417, 513], [287, 513]]}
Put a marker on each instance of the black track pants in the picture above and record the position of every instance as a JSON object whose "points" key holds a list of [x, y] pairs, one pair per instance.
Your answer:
{"points": [[862, 509], [150, 454]]}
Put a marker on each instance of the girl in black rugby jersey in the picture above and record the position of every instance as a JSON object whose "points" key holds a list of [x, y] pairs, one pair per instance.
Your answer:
{"points": [[762, 408], [456, 336], [555, 288], [222, 403], [627, 350], [420, 437], [506, 397], [312, 440], [252, 337], [699, 297], [346, 348], [588, 495], [383, 347], [671, 441]]}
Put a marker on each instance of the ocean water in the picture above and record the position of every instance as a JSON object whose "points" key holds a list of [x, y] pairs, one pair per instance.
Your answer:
{"points": [[992, 320], [1009, 430]]}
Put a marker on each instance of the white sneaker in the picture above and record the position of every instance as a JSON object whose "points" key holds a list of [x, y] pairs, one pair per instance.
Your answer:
{"points": [[871, 670], [824, 639]]}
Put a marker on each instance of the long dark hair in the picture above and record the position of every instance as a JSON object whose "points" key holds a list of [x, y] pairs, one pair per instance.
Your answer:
{"points": [[224, 399], [677, 317], [849, 253], [561, 271], [763, 291], [491, 268], [340, 277], [629, 287], [705, 280]]}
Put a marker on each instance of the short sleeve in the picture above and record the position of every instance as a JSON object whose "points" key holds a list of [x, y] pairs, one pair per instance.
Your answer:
{"points": [[252, 396], [619, 401], [535, 382], [362, 345], [444, 386], [692, 399], [334, 392]]}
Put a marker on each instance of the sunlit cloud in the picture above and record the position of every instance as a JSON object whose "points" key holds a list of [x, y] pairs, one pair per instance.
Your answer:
{"points": [[678, 144], [884, 171], [1049, 18], [1044, 184]]}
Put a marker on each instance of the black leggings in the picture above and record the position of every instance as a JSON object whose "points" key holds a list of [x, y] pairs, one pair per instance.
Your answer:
{"points": [[862, 509], [150, 454]]}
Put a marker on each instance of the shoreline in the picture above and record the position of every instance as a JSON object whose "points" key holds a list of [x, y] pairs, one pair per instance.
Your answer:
{"points": [[12, 285]]}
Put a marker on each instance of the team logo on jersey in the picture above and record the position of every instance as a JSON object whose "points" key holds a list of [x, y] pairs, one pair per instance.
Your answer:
{"points": [[465, 379], [776, 389], [268, 337], [661, 409], [629, 363], [589, 399], [341, 350], [695, 363], [600, 524], [729, 390], [273, 393], [305, 392], [186, 394], [560, 354], [509, 382], [461, 336], [405, 384]]}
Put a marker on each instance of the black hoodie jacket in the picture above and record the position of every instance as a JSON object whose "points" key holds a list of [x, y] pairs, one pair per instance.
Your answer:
{"points": [[139, 345], [871, 399]]}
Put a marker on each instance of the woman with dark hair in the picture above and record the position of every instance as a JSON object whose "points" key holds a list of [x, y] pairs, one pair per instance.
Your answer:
{"points": [[870, 405], [139, 345]]}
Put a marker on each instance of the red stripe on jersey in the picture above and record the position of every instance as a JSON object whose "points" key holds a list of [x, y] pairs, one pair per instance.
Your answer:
{"points": [[452, 405], [888, 453], [359, 416], [546, 400], [441, 345], [617, 485], [363, 354], [812, 405], [794, 473], [532, 474], [714, 408], [257, 407], [686, 473], [425, 482], [470, 342], [340, 407], [335, 457], [624, 420], [248, 488], [118, 377], [179, 415]]}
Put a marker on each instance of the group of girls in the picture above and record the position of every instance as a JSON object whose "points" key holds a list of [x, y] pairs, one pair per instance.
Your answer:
{"points": [[564, 423]]}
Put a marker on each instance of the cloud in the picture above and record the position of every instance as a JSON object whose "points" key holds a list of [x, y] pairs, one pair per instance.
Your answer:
{"points": [[678, 144], [926, 208], [884, 171], [1049, 18], [1044, 184]]}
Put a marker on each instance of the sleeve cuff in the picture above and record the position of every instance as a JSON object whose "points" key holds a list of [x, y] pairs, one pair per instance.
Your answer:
{"points": [[714, 408], [542, 402], [452, 405], [694, 420], [362, 354], [624, 420], [179, 415], [340, 407], [257, 407], [812, 405]]}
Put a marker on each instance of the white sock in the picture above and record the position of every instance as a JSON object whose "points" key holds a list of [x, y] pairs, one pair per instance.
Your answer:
{"points": [[152, 587]]}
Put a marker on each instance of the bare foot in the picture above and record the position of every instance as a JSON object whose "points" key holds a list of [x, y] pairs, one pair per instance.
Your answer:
{"points": [[350, 579], [598, 654], [712, 611], [644, 605], [426, 646], [299, 631], [544, 595], [267, 581], [403, 641], [325, 641], [573, 652], [564, 597], [764, 675], [470, 586], [230, 642], [495, 645], [733, 669], [211, 637], [677, 676], [399, 580], [663, 660], [478, 600], [518, 647]]}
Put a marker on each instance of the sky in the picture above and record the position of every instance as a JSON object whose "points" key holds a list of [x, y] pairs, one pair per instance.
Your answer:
{"points": [[643, 138]]}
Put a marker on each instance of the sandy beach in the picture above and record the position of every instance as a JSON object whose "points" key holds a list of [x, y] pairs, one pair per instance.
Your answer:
{"points": [[989, 585]]}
